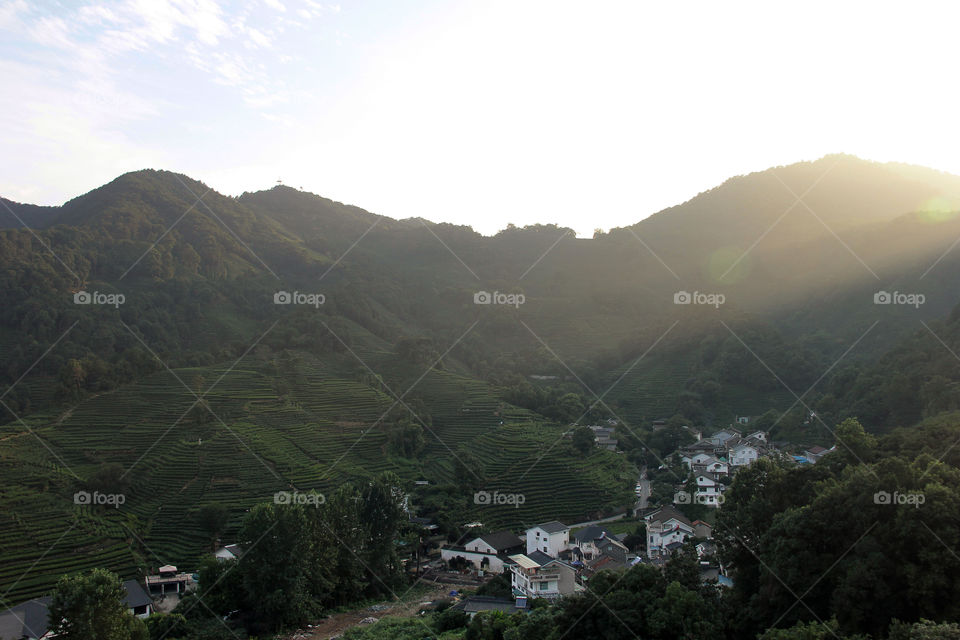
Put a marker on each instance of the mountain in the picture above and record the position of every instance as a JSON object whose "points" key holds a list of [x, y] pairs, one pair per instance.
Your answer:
{"points": [[202, 388]]}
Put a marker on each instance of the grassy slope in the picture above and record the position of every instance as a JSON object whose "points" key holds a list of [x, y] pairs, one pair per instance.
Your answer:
{"points": [[310, 438]]}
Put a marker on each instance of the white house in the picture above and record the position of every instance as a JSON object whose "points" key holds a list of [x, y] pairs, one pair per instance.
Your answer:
{"points": [[666, 526], [743, 455], [757, 435], [229, 552], [487, 552], [697, 459], [709, 489], [550, 538], [537, 575], [711, 464]]}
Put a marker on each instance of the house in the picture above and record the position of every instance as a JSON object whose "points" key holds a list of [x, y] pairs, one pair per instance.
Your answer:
{"points": [[604, 437], [702, 462], [472, 605], [743, 419], [487, 552], [758, 435], [138, 602], [721, 437], [426, 523], [550, 538], [594, 541], [27, 620], [702, 530], [743, 455], [30, 620], [537, 575], [229, 552], [709, 489], [168, 580], [667, 528], [815, 453]]}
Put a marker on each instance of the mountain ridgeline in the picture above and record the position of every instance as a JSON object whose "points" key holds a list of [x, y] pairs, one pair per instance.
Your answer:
{"points": [[798, 278]]}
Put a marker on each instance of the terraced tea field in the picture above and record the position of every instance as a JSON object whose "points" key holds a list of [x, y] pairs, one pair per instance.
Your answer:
{"points": [[314, 429]]}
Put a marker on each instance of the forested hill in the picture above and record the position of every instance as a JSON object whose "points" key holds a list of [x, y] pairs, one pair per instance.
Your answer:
{"points": [[198, 271]]}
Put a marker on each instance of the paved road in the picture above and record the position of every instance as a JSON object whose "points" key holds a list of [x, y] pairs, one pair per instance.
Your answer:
{"points": [[642, 501]]}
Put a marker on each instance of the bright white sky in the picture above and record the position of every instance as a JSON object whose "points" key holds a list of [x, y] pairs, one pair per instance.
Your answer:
{"points": [[586, 114]]}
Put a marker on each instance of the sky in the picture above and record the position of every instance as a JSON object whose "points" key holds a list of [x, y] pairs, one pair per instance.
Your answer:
{"points": [[587, 115]]}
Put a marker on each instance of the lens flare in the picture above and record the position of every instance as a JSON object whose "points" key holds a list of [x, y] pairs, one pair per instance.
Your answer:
{"points": [[938, 209], [728, 265]]}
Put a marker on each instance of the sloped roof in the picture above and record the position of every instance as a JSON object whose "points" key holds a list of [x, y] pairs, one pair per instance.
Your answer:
{"points": [[553, 526], [501, 540], [135, 595], [592, 533], [28, 619], [668, 512]]}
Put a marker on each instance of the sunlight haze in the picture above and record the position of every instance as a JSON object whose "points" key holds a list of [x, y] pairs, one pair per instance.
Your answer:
{"points": [[485, 113]]}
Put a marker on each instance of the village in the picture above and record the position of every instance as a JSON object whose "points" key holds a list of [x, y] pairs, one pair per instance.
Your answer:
{"points": [[552, 559], [548, 560]]}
